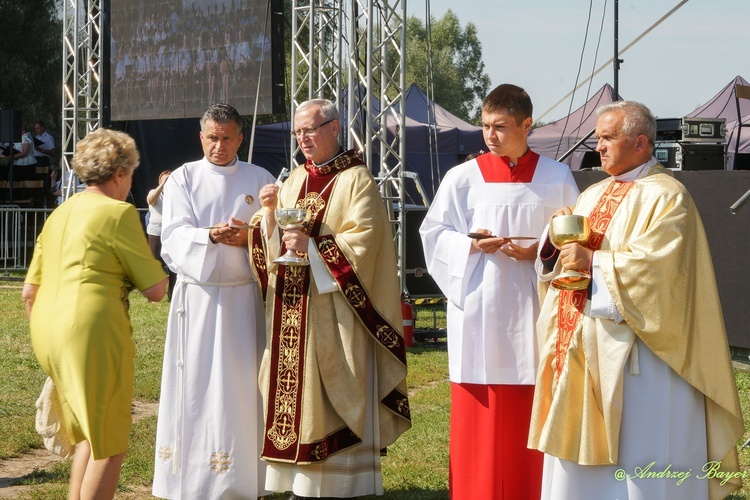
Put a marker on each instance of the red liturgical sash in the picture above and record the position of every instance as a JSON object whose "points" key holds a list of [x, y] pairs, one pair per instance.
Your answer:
{"points": [[571, 302], [498, 169], [258, 256]]}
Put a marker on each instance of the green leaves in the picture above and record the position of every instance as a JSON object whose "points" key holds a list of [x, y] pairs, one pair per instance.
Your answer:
{"points": [[455, 69], [31, 55]]}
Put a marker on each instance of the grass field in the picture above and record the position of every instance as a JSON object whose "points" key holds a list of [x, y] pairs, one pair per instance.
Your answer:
{"points": [[416, 466]]}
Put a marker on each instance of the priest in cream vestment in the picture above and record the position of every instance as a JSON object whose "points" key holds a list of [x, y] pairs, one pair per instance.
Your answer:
{"points": [[334, 368], [635, 395]]}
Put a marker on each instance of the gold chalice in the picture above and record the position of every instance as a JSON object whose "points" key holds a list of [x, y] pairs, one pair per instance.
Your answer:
{"points": [[570, 229], [292, 218]]}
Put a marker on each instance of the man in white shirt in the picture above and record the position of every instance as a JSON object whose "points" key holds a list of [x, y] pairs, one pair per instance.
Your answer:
{"points": [[44, 145]]}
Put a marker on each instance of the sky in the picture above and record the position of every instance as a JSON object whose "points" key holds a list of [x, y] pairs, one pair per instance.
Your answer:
{"points": [[538, 44]]}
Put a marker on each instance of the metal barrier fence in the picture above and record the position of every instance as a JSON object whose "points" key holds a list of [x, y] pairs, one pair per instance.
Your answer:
{"points": [[19, 228]]}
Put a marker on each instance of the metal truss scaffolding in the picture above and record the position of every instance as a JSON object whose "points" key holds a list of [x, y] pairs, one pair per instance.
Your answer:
{"points": [[349, 51], [352, 52], [82, 78]]}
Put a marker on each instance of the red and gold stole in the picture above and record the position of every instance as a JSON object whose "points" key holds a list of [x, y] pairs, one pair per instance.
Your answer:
{"points": [[571, 302], [258, 258]]}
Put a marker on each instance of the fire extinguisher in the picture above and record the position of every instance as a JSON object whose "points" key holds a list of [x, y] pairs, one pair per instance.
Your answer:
{"points": [[408, 314]]}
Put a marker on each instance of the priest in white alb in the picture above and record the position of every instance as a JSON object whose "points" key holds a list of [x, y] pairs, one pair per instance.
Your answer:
{"points": [[207, 437]]}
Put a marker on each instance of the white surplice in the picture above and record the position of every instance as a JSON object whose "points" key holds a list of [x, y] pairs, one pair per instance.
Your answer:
{"points": [[492, 299], [210, 408]]}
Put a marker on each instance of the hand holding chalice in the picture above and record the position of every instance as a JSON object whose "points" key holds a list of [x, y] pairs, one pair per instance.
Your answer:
{"points": [[570, 229], [292, 218]]}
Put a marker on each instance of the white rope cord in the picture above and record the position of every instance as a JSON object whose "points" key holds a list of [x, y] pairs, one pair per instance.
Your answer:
{"points": [[257, 90], [620, 53]]}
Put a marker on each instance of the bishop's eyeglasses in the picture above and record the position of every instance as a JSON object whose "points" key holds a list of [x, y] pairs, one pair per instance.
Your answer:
{"points": [[308, 131]]}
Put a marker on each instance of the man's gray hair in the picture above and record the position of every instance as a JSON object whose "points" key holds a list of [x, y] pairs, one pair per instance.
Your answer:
{"points": [[327, 109], [638, 119], [221, 113]]}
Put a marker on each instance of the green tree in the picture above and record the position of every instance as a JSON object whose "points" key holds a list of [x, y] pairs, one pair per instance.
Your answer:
{"points": [[457, 74], [31, 59]]}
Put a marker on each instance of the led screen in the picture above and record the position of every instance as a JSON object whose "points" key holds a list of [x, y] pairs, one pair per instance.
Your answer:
{"points": [[172, 59]]}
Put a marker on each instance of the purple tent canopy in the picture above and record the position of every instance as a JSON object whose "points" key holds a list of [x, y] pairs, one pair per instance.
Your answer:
{"points": [[724, 105], [556, 138], [433, 145], [466, 137], [436, 140]]}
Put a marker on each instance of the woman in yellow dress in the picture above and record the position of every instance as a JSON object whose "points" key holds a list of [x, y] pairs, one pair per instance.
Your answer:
{"points": [[91, 252]]}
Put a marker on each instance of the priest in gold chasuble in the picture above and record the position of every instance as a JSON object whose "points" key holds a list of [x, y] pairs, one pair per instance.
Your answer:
{"points": [[334, 369], [635, 394]]}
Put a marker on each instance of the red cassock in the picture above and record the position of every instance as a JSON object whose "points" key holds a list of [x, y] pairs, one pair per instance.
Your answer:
{"points": [[488, 433]]}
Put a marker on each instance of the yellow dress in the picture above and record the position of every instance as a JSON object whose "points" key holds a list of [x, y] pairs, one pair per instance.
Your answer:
{"points": [[91, 252]]}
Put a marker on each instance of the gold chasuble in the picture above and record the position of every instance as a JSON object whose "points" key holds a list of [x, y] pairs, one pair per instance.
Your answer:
{"points": [[654, 258], [312, 377]]}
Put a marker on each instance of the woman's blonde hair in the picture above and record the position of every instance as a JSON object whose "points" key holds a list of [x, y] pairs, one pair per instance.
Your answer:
{"points": [[102, 153]]}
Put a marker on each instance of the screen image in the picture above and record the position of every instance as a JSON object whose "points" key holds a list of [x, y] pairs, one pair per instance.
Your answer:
{"points": [[174, 58]]}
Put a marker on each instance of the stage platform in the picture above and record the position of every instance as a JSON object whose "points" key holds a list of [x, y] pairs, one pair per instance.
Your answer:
{"points": [[714, 191]]}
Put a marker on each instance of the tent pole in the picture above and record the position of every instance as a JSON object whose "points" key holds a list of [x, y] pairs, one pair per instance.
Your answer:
{"points": [[616, 61], [604, 66], [576, 145]]}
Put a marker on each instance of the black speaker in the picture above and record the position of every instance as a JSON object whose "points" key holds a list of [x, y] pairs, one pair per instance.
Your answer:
{"points": [[703, 157], [742, 161], [669, 154], [668, 129], [10, 125], [591, 159], [418, 281]]}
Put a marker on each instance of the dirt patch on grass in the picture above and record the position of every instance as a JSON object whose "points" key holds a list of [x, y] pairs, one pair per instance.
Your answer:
{"points": [[13, 469]]}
